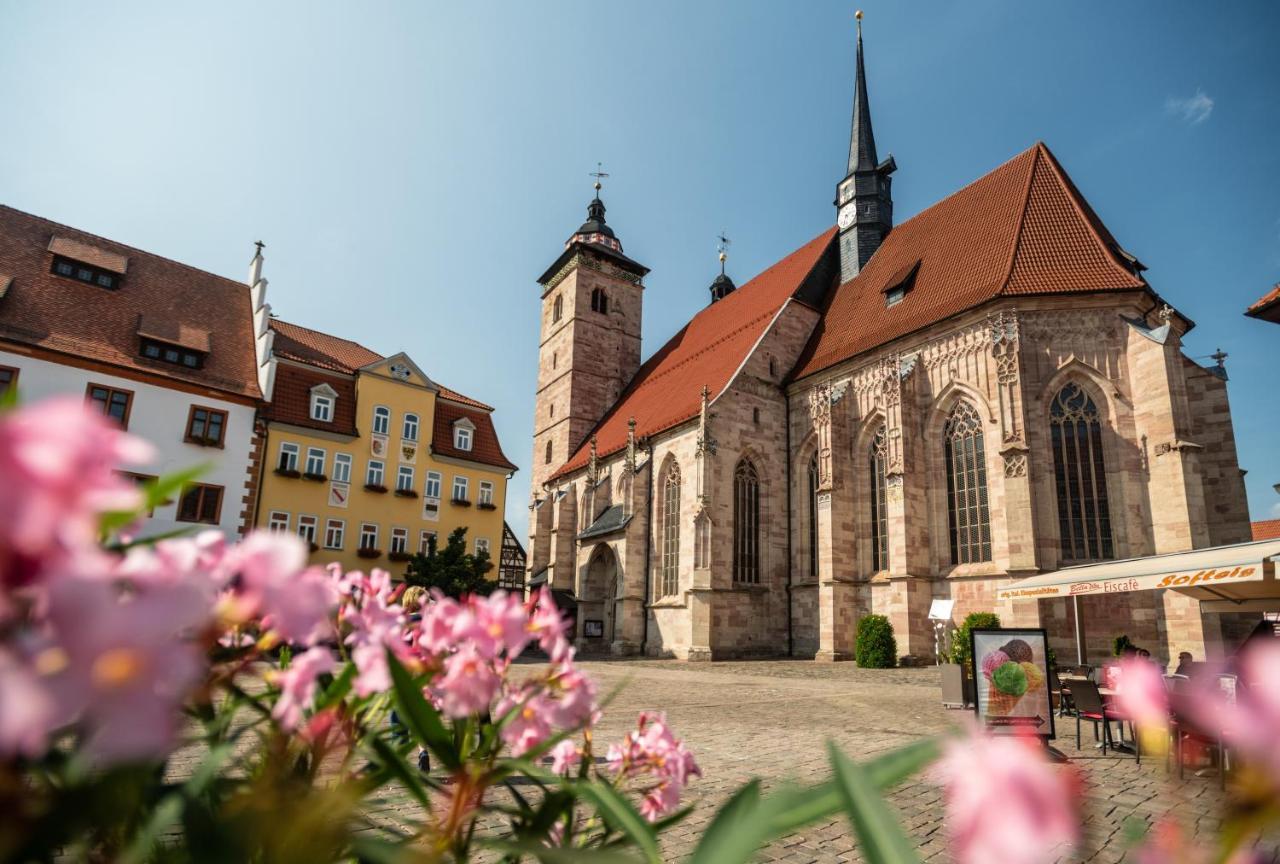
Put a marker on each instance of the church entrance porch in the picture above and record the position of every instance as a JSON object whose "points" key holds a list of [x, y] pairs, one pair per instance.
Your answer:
{"points": [[600, 602]]}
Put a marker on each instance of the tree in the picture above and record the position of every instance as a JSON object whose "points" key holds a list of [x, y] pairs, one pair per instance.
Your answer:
{"points": [[453, 570]]}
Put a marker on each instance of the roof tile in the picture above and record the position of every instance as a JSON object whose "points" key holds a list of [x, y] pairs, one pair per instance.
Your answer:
{"points": [[1267, 529]]}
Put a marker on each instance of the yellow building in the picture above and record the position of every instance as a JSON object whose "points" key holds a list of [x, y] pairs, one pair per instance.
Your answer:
{"points": [[367, 458]]}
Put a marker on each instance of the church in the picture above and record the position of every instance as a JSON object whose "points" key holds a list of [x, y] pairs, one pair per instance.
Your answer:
{"points": [[889, 415]]}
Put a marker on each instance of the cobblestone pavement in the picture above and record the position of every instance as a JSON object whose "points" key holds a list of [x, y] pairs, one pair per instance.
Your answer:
{"points": [[771, 719]]}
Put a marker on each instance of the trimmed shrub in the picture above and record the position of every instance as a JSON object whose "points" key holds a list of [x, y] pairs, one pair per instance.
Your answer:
{"points": [[1119, 644], [876, 648], [960, 640]]}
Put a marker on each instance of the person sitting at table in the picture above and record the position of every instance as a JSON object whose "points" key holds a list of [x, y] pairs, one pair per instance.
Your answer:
{"points": [[1186, 664]]}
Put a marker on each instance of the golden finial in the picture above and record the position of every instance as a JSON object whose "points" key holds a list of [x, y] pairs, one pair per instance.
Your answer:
{"points": [[858, 17]]}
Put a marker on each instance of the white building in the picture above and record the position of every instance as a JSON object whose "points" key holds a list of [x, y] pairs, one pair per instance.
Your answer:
{"points": [[178, 356]]}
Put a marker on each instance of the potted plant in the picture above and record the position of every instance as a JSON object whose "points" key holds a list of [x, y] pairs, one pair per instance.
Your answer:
{"points": [[292, 473], [461, 502], [957, 672], [375, 487], [316, 478], [399, 556], [406, 493], [485, 505], [368, 552]]}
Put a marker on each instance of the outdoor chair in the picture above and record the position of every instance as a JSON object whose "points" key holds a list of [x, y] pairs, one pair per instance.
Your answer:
{"points": [[1057, 691], [1089, 706]]}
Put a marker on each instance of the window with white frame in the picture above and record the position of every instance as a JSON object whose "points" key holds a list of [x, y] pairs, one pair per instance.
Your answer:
{"points": [[334, 529], [404, 479], [399, 540], [341, 467], [278, 521], [307, 528], [482, 545], [288, 460], [368, 535], [323, 398], [373, 476], [410, 427], [424, 541], [460, 488], [432, 489], [486, 493], [381, 420], [462, 436], [315, 461]]}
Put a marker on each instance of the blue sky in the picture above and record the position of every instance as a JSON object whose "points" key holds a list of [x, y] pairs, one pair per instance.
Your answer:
{"points": [[413, 167]]}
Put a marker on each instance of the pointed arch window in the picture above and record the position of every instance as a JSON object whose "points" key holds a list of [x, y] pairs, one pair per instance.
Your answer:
{"points": [[669, 534], [1084, 517], [599, 301], [968, 515], [557, 308], [547, 458], [746, 524], [879, 516], [813, 516]]}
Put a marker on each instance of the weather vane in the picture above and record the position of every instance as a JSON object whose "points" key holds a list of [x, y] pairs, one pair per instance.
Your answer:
{"points": [[598, 174], [723, 248]]}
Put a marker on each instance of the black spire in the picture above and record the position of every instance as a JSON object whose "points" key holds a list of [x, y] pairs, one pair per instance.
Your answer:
{"points": [[863, 200], [722, 286], [594, 230], [862, 141]]}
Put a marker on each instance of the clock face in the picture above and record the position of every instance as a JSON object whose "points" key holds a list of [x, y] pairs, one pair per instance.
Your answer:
{"points": [[847, 215]]}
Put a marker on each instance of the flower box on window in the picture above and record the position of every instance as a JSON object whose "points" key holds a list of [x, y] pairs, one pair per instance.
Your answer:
{"points": [[318, 478], [366, 552], [462, 502], [315, 547], [486, 506], [398, 556], [375, 487], [292, 473], [406, 493]]}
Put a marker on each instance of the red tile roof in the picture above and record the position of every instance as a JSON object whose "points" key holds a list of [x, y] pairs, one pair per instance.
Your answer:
{"points": [[76, 318], [667, 390], [1268, 529], [295, 342], [1022, 229], [291, 399], [484, 445], [1268, 306]]}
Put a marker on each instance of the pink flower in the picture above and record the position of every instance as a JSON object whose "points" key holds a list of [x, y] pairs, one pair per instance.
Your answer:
{"points": [[267, 579], [565, 756], [1248, 723], [548, 625], [1142, 695], [572, 698], [58, 464], [438, 623], [376, 627], [27, 709], [1005, 802], [298, 685], [468, 684], [652, 753], [527, 726], [120, 663]]}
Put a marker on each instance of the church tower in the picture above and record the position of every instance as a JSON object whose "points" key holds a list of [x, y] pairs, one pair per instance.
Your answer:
{"points": [[589, 348], [863, 200]]}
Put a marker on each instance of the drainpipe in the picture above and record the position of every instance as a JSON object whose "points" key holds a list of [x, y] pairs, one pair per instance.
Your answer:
{"points": [[648, 555], [790, 563]]}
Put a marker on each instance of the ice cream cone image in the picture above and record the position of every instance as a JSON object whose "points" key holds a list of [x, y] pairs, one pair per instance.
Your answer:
{"points": [[1000, 704]]}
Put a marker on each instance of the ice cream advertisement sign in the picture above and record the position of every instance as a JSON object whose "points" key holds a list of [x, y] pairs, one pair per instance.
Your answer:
{"points": [[1011, 674], [1205, 577]]}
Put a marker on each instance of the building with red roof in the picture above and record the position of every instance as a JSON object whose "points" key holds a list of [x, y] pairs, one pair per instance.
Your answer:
{"points": [[890, 415]]}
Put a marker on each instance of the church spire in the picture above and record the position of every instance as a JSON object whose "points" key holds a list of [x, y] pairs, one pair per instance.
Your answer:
{"points": [[595, 229], [863, 200], [722, 286], [862, 141]]}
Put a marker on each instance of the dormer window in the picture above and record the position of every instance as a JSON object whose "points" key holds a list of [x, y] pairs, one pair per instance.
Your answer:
{"points": [[84, 273], [323, 400], [900, 283], [154, 349], [463, 434]]}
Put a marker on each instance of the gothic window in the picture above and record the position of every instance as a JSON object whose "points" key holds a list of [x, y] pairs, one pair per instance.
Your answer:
{"points": [[879, 518], [669, 536], [1084, 519], [746, 524], [968, 516], [547, 459], [599, 301], [557, 308], [702, 541], [813, 516]]}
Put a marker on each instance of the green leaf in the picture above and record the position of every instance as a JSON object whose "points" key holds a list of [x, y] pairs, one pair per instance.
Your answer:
{"points": [[422, 720], [619, 814], [169, 809], [338, 688], [736, 832], [879, 834], [394, 762], [376, 850], [155, 493]]}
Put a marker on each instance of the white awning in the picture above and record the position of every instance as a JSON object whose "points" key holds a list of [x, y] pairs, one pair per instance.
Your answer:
{"points": [[1235, 575]]}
